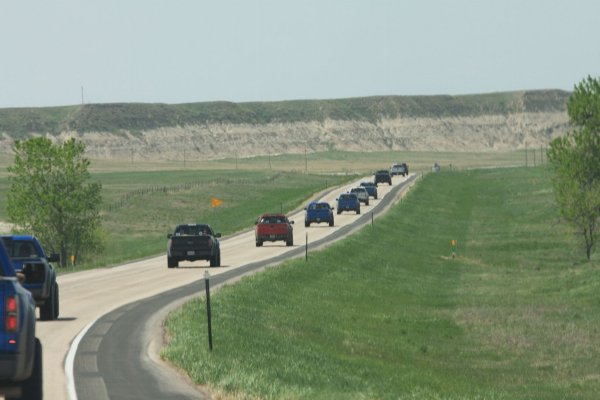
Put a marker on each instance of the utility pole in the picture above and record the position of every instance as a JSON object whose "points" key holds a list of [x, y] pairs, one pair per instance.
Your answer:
{"points": [[305, 161]]}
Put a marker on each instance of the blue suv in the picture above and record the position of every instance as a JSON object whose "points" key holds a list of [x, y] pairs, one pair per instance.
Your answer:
{"points": [[318, 212], [348, 202]]}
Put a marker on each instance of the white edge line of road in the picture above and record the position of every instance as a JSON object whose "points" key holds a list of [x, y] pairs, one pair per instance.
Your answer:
{"points": [[70, 360]]}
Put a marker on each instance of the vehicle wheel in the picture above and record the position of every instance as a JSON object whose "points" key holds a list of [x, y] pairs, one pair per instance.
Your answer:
{"points": [[258, 243], [289, 242], [367, 203], [214, 261], [331, 222], [171, 263], [56, 302], [306, 224], [47, 309], [358, 210], [32, 388], [339, 212]]}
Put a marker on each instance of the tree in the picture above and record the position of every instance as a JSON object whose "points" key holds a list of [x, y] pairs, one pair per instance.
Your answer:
{"points": [[576, 161], [48, 196]]}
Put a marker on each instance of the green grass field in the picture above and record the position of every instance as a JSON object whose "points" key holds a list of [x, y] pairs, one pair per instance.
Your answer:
{"points": [[141, 208], [389, 314], [143, 201]]}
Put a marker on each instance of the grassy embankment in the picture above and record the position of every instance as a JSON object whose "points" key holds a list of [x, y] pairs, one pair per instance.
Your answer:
{"points": [[387, 313]]}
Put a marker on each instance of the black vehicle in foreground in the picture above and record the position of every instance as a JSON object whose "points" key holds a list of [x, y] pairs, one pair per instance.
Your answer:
{"points": [[192, 242], [383, 176]]}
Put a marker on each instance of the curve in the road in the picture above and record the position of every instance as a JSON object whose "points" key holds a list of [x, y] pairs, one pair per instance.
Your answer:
{"points": [[113, 360]]}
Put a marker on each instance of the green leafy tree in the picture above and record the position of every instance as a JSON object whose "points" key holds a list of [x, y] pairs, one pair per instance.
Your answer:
{"points": [[49, 197], [576, 161]]}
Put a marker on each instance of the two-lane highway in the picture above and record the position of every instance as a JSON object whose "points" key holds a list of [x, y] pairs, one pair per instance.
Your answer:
{"points": [[106, 302]]}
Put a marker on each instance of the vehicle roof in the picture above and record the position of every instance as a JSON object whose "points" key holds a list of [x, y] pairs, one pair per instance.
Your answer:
{"points": [[272, 215], [348, 195], [382, 171], [193, 224], [358, 188], [368, 183], [18, 237]]}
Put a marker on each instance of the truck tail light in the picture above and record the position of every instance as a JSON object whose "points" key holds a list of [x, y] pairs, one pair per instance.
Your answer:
{"points": [[12, 315], [210, 243]]}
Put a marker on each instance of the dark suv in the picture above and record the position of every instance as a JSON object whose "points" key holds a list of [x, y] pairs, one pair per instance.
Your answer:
{"points": [[383, 176]]}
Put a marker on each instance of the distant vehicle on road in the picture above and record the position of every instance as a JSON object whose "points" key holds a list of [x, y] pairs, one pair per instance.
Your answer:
{"points": [[273, 228], [28, 255], [383, 176], [318, 212], [362, 194], [399, 169], [20, 351], [192, 242], [348, 202], [371, 188]]}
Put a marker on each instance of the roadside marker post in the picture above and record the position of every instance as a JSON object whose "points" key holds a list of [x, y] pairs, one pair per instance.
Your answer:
{"points": [[306, 248], [208, 313]]}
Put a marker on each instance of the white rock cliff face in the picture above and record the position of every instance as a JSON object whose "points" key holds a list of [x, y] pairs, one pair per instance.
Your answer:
{"points": [[213, 141]]}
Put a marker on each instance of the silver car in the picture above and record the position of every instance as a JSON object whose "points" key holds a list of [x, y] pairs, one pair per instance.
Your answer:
{"points": [[362, 194]]}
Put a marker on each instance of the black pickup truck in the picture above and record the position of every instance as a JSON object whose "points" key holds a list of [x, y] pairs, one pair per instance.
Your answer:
{"points": [[191, 242], [20, 350]]}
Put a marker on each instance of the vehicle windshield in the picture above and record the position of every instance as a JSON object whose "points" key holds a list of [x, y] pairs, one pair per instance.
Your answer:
{"points": [[193, 230], [273, 219], [17, 249]]}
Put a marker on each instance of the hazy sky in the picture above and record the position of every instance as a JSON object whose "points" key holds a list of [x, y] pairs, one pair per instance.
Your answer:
{"points": [[179, 51]]}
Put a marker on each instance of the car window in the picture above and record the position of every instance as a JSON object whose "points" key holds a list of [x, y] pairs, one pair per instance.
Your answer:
{"points": [[24, 250]]}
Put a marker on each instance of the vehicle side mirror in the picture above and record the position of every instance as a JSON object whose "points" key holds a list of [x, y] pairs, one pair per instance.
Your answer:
{"points": [[21, 277], [291, 222], [169, 235], [218, 235], [54, 257], [333, 208]]}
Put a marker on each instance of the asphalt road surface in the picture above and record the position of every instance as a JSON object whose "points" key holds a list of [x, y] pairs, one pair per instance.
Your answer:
{"points": [[105, 343]]}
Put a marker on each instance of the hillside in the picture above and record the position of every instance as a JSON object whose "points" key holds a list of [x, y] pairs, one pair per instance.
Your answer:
{"points": [[496, 121]]}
